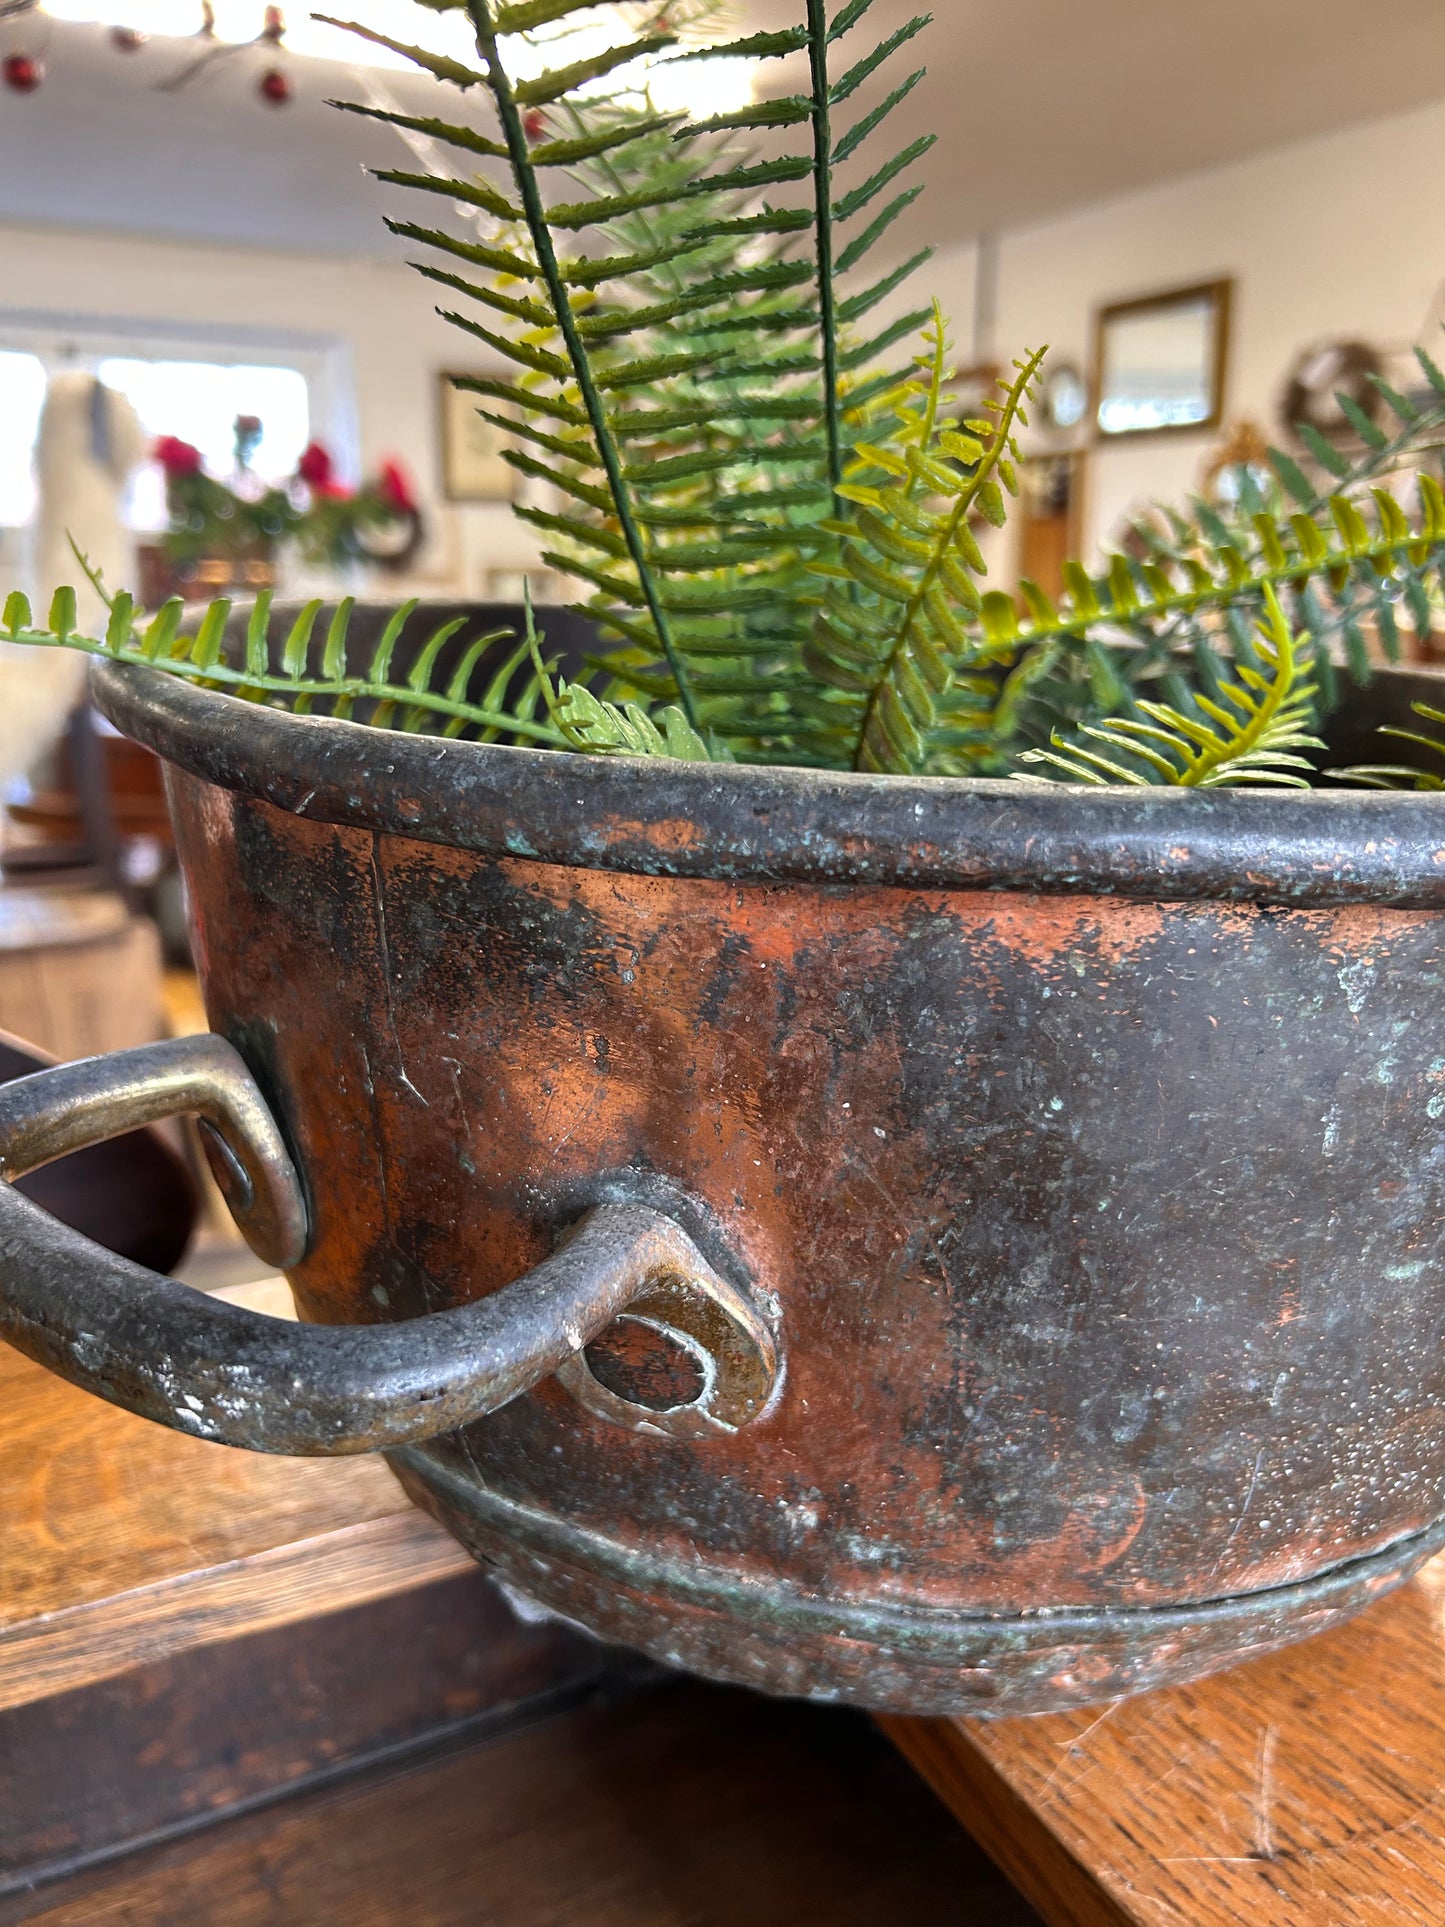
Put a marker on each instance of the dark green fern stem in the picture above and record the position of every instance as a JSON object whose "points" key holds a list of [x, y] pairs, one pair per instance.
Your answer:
{"points": [[823, 191], [515, 134]]}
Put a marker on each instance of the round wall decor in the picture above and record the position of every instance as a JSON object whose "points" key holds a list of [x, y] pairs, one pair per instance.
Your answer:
{"points": [[1323, 372]]}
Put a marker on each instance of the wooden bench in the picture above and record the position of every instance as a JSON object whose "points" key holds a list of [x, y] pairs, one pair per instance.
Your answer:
{"points": [[1303, 1790], [126, 1544]]}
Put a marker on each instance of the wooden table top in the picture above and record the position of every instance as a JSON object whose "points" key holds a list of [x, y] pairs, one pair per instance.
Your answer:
{"points": [[123, 1541], [1307, 1788]]}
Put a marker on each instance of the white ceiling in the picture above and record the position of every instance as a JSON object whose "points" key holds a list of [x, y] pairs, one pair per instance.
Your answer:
{"points": [[1041, 105], [100, 146], [1045, 105]]}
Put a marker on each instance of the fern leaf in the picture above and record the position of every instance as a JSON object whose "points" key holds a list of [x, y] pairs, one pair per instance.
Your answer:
{"points": [[1402, 776], [257, 676], [1254, 736], [588, 724], [851, 81], [468, 139], [1346, 563], [439, 66], [893, 635]]}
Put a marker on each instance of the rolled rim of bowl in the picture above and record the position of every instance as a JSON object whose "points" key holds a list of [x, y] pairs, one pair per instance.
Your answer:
{"points": [[751, 824]]}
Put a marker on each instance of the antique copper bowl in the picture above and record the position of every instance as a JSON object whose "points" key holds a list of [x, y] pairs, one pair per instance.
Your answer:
{"points": [[1009, 1217]]}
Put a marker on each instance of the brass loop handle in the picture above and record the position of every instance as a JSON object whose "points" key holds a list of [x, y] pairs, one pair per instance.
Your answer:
{"points": [[221, 1372], [53, 1112]]}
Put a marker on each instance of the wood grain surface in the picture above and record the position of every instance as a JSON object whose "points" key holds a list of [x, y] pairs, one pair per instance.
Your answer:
{"points": [[123, 1541], [687, 1807], [1306, 1789], [178, 1742]]}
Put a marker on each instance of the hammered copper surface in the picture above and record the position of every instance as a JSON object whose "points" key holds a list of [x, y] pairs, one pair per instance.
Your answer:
{"points": [[1099, 1234]]}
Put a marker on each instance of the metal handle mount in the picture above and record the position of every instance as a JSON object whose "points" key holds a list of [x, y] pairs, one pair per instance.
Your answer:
{"points": [[219, 1371]]}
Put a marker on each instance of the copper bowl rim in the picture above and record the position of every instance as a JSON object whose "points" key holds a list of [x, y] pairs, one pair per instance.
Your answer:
{"points": [[774, 825]]}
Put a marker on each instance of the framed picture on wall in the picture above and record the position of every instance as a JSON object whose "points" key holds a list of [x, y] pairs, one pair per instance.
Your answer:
{"points": [[1161, 362], [472, 450]]}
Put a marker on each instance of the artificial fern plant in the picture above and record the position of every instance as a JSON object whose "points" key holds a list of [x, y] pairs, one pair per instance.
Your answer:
{"points": [[697, 335]]}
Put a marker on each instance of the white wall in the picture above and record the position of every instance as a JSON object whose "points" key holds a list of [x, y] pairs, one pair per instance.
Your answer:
{"points": [[1343, 235], [372, 323], [1339, 235]]}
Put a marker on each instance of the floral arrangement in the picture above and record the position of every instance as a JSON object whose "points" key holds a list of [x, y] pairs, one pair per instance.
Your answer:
{"points": [[241, 518]]}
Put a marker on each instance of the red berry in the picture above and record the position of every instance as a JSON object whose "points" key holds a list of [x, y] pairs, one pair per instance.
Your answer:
{"points": [[21, 74], [275, 87], [127, 40], [534, 126]]}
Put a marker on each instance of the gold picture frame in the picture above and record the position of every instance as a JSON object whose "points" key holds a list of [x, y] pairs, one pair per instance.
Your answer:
{"points": [[1161, 362], [474, 468]]}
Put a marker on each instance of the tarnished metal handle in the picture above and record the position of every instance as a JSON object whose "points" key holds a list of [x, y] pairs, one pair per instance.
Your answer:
{"points": [[221, 1372], [53, 1112]]}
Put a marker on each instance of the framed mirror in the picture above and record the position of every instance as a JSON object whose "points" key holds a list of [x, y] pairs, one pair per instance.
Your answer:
{"points": [[1160, 363]]}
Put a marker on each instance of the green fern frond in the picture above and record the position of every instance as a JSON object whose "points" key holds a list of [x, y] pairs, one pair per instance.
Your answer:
{"points": [[1395, 776], [1402, 776], [1352, 566], [594, 727], [1252, 735], [893, 627], [1364, 556], [543, 710], [283, 671], [695, 353], [548, 337], [1331, 539]]}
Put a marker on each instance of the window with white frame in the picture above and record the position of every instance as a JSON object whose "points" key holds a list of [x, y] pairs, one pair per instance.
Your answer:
{"points": [[194, 394], [199, 401]]}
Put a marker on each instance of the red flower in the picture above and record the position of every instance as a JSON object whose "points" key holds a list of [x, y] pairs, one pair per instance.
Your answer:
{"points": [[316, 468], [176, 457], [393, 485]]}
